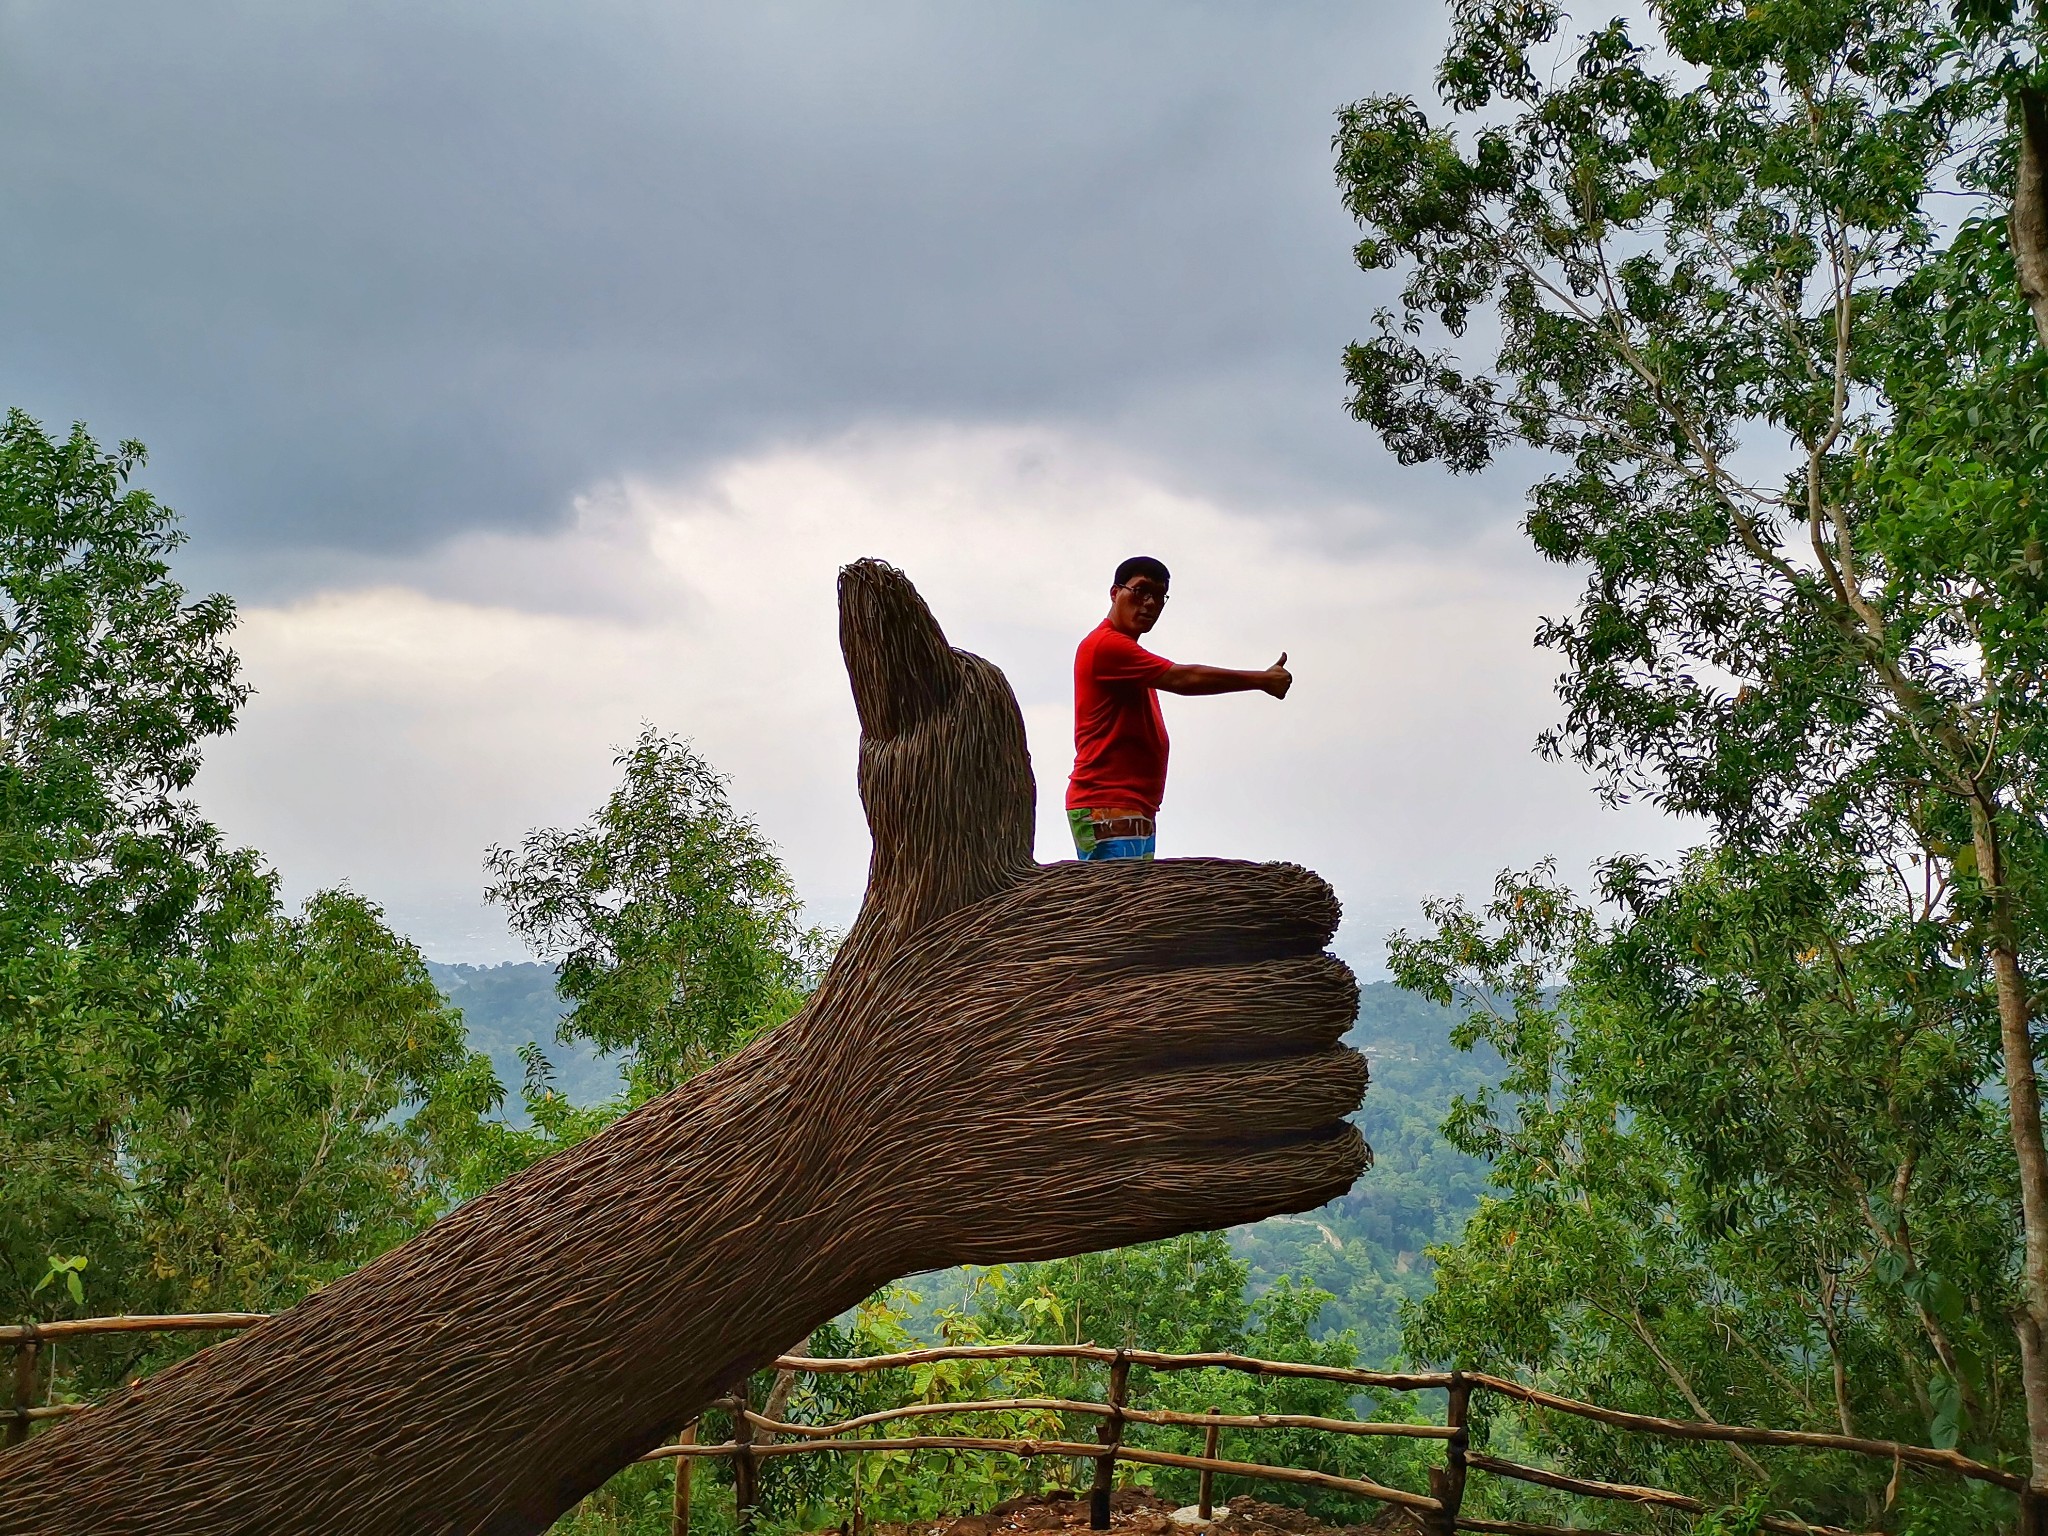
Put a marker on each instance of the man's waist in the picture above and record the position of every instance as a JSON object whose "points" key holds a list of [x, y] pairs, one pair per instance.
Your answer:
{"points": [[1124, 799], [1118, 822]]}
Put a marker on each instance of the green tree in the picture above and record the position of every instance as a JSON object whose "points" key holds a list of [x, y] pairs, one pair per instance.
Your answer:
{"points": [[1741, 1170], [204, 1101], [305, 1102], [312, 1111], [1749, 278], [110, 681], [678, 934]]}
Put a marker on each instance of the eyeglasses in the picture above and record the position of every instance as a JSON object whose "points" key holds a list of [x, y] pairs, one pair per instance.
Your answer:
{"points": [[1146, 594]]}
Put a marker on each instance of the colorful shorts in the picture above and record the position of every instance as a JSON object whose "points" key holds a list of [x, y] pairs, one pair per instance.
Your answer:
{"points": [[1112, 834]]}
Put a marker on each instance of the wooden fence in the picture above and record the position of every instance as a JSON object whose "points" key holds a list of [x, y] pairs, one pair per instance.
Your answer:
{"points": [[1436, 1513]]}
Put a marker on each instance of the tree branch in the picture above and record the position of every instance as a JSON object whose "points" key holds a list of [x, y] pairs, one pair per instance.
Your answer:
{"points": [[1641, 1330]]}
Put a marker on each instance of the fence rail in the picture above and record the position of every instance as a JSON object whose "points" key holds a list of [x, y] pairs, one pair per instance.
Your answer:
{"points": [[1437, 1512]]}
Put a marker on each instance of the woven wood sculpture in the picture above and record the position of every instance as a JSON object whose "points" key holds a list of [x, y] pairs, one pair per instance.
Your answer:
{"points": [[1006, 1061]]}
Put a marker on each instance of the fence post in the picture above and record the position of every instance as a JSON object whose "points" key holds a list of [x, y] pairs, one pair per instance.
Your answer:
{"points": [[744, 1496], [681, 1526], [1111, 1434], [1447, 1483], [24, 1394], [1205, 1506]]}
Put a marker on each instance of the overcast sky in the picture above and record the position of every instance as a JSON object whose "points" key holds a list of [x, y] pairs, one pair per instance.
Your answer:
{"points": [[525, 373]]}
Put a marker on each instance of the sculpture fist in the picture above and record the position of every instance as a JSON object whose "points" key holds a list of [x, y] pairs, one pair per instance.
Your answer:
{"points": [[1074, 1055]]}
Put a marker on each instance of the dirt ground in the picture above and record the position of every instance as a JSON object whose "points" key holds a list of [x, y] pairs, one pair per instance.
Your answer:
{"points": [[1138, 1513]]}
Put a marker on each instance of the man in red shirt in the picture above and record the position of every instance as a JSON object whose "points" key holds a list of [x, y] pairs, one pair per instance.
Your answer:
{"points": [[1119, 737]]}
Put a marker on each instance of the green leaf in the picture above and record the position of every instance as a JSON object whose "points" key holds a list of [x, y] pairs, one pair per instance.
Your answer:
{"points": [[1945, 1429]]}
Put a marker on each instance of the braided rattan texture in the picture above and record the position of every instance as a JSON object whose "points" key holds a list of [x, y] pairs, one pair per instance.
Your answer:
{"points": [[1006, 1061]]}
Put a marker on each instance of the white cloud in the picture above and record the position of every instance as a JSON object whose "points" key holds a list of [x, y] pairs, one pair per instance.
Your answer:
{"points": [[403, 725]]}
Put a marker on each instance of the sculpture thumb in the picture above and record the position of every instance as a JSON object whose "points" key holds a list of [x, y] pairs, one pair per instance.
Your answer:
{"points": [[897, 659]]}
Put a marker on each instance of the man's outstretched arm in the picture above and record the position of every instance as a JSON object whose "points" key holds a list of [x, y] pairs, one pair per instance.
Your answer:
{"points": [[1191, 679]]}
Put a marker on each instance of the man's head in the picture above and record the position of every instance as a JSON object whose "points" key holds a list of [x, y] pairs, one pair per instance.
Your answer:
{"points": [[1139, 594]]}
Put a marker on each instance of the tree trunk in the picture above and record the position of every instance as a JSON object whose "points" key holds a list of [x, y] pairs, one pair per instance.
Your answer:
{"points": [[777, 1405], [2028, 224], [2023, 1105], [1005, 1062], [1684, 1385]]}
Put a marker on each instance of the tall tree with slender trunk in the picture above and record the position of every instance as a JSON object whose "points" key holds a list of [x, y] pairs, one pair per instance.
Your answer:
{"points": [[1757, 274]]}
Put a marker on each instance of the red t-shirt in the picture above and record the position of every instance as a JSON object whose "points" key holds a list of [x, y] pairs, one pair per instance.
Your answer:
{"points": [[1119, 737]]}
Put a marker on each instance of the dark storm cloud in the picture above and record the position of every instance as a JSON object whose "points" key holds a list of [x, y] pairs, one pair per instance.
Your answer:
{"points": [[365, 274]]}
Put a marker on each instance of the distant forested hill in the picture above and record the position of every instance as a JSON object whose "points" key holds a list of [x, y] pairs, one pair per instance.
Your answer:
{"points": [[1366, 1249], [504, 1007]]}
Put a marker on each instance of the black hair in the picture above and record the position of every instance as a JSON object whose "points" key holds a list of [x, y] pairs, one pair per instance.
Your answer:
{"points": [[1143, 565]]}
